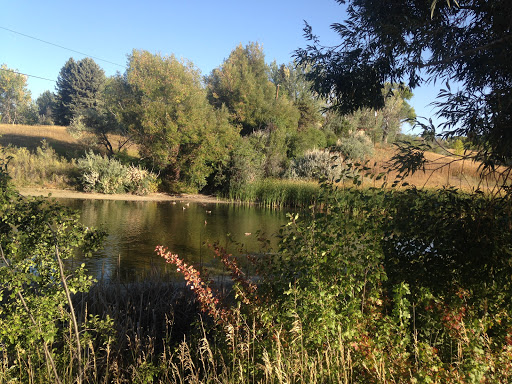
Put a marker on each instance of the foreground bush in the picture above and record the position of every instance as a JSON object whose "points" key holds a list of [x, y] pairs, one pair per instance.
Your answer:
{"points": [[107, 175], [40, 338], [371, 287]]}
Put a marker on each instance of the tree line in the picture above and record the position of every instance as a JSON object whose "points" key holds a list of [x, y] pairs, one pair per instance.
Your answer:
{"points": [[246, 119]]}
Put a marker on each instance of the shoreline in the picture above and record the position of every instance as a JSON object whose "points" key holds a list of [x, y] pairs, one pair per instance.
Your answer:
{"points": [[71, 194]]}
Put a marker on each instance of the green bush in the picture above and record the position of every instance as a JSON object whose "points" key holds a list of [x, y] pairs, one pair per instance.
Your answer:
{"points": [[385, 286], [301, 142], [40, 168], [106, 175], [40, 338], [399, 278], [357, 147], [317, 164]]}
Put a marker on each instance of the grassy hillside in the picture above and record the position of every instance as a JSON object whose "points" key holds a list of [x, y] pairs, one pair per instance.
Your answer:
{"points": [[30, 137], [440, 171]]}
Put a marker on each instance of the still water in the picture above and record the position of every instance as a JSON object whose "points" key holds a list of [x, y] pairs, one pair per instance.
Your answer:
{"points": [[135, 228]]}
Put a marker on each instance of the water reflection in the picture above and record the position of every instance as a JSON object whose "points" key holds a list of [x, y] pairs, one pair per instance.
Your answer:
{"points": [[135, 228]]}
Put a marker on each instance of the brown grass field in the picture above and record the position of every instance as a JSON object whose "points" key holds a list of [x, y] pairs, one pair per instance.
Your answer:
{"points": [[30, 136], [440, 171]]}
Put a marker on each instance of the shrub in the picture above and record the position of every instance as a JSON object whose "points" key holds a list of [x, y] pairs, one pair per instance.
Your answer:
{"points": [[301, 142], [357, 146], [106, 175], [40, 168], [317, 164], [40, 338], [140, 181], [407, 286]]}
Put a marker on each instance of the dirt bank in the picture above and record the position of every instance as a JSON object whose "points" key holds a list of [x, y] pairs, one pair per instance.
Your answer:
{"points": [[69, 194]]}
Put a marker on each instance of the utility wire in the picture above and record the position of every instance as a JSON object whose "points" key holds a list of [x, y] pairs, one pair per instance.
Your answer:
{"points": [[24, 74], [60, 46]]}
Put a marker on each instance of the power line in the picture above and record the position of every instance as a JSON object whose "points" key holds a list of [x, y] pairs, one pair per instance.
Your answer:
{"points": [[60, 46], [24, 74]]}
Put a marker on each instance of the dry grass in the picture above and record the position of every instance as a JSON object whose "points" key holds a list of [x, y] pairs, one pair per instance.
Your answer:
{"points": [[30, 136], [440, 171]]}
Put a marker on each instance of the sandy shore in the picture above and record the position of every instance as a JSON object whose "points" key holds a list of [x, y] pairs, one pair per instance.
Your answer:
{"points": [[70, 194]]}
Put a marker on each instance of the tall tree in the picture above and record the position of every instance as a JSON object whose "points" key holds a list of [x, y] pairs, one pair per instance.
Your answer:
{"points": [[242, 83], [380, 125], [106, 119], [45, 105], [175, 126], [79, 87], [291, 82], [467, 42], [14, 95]]}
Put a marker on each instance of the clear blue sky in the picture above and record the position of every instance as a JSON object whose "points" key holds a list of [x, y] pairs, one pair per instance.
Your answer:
{"points": [[204, 32]]}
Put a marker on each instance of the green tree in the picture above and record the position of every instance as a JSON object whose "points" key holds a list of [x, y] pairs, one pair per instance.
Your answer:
{"points": [[381, 125], [467, 43], [173, 123], [291, 81], [79, 88], [29, 114], [243, 85], [396, 111], [14, 95], [45, 105]]}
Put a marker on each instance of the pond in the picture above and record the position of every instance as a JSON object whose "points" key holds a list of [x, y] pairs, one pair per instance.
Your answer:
{"points": [[135, 228]]}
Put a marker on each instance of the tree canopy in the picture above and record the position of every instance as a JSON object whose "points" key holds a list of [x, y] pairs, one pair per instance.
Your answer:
{"points": [[242, 83], [14, 95], [45, 106], [465, 42], [175, 126], [79, 87]]}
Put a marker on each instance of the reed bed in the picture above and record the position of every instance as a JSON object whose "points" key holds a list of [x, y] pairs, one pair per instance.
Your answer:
{"points": [[278, 193], [151, 331]]}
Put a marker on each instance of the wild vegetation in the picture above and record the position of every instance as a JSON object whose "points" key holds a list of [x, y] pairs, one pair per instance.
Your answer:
{"points": [[375, 282], [369, 285]]}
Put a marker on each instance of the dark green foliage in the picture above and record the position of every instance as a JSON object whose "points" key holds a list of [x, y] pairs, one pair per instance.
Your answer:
{"points": [[467, 43], [404, 276], [307, 139], [79, 88], [46, 105], [245, 166], [468, 248]]}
